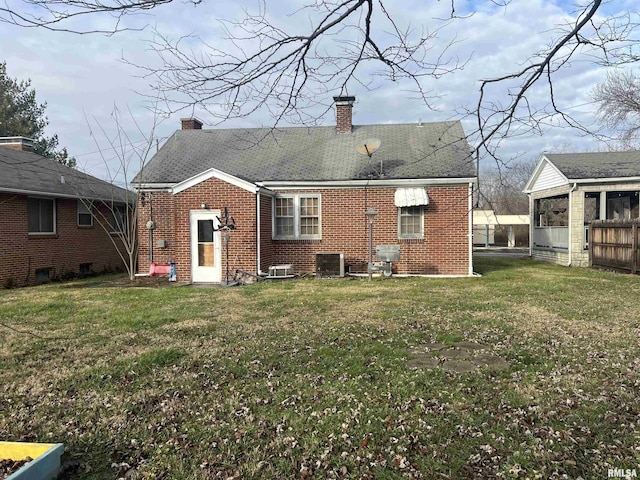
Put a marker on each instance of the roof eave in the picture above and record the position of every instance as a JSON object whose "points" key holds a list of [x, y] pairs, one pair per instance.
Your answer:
{"points": [[392, 182]]}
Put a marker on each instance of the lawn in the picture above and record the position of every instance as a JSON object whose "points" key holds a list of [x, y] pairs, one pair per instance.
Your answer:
{"points": [[309, 378]]}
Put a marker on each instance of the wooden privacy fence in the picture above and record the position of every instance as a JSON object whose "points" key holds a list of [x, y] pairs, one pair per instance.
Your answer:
{"points": [[615, 244]]}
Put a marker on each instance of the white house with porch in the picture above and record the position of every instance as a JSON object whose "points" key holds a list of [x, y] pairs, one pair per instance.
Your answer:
{"points": [[568, 191]]}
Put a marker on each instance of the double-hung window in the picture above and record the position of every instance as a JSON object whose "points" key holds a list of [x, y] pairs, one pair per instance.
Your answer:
{"points": [[41, 213], [297, 217], [410, 222], [85, 217]]}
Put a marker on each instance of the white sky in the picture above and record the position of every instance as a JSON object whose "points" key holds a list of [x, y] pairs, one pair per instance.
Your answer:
{"points": [[82, 77]]}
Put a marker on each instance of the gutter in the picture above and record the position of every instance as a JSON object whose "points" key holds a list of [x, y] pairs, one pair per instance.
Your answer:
{"points": [[531, 224], [575, 185]]}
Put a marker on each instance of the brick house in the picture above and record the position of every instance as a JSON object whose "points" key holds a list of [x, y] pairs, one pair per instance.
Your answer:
{"points": [[567, 191], [298, 192], [49, 218]]}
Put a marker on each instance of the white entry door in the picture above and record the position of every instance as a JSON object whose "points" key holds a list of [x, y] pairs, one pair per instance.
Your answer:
{"points": [[206, 258]]}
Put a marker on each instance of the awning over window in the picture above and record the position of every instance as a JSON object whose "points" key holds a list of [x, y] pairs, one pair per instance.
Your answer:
{"points": [[411, 197]]}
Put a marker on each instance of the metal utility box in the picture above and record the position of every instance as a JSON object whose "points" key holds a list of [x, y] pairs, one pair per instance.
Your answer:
{"points": [[280, 271], [330, 264], [388, 253]]}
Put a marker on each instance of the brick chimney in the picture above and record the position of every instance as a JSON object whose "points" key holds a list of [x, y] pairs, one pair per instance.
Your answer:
{"points": [[191, 123], [17, 143], [343, 113]]}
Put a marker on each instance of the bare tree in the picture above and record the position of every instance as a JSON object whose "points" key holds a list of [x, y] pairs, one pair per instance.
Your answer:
{"points": [[116, 209], [618, 99], [501, 189]]}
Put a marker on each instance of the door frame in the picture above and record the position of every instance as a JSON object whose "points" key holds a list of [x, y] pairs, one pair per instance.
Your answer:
{"points": [[215, 274]]}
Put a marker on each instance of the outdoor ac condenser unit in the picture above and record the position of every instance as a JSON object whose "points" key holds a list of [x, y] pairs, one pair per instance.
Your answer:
{"points": [[330, 264]]}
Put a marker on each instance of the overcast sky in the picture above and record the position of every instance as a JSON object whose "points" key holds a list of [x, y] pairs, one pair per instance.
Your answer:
{"points": [[82, 77]]}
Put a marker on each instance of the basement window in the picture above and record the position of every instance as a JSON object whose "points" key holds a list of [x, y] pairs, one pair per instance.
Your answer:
{"points": [[297, 217], [43, 274], [85, 269]]}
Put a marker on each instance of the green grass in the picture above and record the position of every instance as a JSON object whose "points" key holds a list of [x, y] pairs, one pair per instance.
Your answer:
{"points": [[278, 380]]}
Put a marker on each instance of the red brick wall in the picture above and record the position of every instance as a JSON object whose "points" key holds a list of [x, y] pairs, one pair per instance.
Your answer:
{"points": [[444, 249], [159, 206], [171, 214], [22, 254]]}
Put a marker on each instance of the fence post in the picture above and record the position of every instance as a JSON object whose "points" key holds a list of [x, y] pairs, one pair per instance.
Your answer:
{"points": [[634, 247], [591, 244]]}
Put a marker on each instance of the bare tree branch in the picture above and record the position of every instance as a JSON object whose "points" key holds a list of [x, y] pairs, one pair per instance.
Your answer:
{"points": [[618, 99]]}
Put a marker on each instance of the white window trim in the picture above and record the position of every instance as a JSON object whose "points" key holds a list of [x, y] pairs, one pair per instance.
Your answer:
{"points": [[413, 235], [88, 211], [55, 220], [296, 217]]}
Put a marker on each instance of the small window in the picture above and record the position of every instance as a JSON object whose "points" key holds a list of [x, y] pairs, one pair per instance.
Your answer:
{"points": [[297, 217], [118, 219], [85, 217], [85, 269], [410, 222], [42, 215], [43, 274]]}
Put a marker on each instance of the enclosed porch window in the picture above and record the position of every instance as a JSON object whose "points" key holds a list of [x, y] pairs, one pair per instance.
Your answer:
{"points": [[551, 217]]}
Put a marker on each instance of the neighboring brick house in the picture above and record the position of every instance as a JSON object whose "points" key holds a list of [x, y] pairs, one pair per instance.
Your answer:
{"points": [[567, 191], [297, 192], [49, 218]]}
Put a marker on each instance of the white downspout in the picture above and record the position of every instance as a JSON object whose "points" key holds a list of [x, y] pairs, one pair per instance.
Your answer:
{"points": [[258, 271], [470, 228], [532, 223], [575, 185]]}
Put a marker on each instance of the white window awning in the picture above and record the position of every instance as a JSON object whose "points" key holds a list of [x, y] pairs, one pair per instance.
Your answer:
{"points": [[411, 197]]}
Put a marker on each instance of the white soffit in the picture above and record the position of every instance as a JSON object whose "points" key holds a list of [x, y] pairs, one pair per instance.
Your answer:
{"points": [[411, 197]]}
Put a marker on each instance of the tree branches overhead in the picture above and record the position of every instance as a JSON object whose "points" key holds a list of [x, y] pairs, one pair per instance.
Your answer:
{"points": [[290, 65], [292, 69]]}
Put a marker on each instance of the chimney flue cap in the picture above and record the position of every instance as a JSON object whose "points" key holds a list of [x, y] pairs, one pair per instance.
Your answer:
{"points": [[343, 99]]}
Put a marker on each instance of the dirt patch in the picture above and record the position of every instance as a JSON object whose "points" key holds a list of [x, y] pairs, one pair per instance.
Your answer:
{"points": [[7, 467], [461, 357]]}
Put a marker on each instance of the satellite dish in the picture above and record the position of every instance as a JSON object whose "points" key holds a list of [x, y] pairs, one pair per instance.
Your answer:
{"points": [[369, 146]]}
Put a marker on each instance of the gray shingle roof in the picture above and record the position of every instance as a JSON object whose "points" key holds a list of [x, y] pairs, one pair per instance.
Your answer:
{"points": [[597, 165], [433, 150], [28, 172]]}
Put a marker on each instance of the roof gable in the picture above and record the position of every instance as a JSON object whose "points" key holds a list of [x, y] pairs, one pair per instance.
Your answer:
{"points": [[546, 175], [318, 154]]}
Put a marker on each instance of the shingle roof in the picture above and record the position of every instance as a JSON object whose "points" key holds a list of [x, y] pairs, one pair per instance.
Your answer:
{"points": [[28, 172], [432, 150], [597, 165]]}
